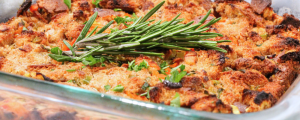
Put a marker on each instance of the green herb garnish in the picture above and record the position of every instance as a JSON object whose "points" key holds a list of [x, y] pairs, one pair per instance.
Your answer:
{"points": [[96, 3], [227, 69], [160, 80], [117, 9], [112, 30], [142, 38], [56, 50], [105, 27], [71, 70], [145, 86], [87, 80], [118, 88], [258, 45], [92, 32], [68, 3], [70, 47], [126, 19], [86, 27], [132, 66], [163, 66], [176, 100], [24, 29], [89, 60], [107, 87], [147, 92], [175, 75], [264, 36], [219, 92]]}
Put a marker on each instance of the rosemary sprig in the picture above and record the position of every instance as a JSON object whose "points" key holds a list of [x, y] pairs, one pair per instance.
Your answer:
{"points": [[69, 46], [152, 11], [86, 27], [105, 27], [143, 38], [92, 32]]}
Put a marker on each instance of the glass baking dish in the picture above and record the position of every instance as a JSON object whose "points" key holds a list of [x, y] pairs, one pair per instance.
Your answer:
{"points": [[79, 103], [98, 105]]}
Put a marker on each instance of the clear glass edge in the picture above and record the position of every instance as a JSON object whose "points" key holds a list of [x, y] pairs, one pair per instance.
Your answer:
{"points": [[285, 108]]}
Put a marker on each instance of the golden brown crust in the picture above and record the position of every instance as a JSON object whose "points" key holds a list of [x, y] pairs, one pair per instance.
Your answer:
{"points": [[211, 104], [195, 83], [73, 31], [290, 20], [24, 7], [274, 88], [106, 12], [163, 94], [126, 5], [6, 34], [284, 75], [34, 67], [53, 6], [229, 1], [2, 61], [257, 100], [266, 67], [259, 5]]}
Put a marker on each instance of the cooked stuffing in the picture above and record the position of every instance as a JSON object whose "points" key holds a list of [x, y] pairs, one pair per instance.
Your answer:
{"points": [[261, 62]]}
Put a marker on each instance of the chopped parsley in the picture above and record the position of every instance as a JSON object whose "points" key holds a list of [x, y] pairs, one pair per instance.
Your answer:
{"points": [[87, 80], [71, 70], [147, 93], [107, 87], [80, 82], [176, 100], [25, 29], [112, 30], [118, 88], [264, 36], [133, 67], [96, 3], [102, 60], [120, 20], [70, 81], [219, 91], [227, 69], [117, 9], [160, 80], [258, 45], [145, 86], [163, 66], [175, 75], [68, 3], [90, 60], [56, 51]]}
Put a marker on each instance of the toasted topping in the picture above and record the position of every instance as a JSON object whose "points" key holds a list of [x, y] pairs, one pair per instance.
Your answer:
{"points": [[229, 1], [24, 7], [260, 5], [290, 20], [53, 6], [45, 77]]}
